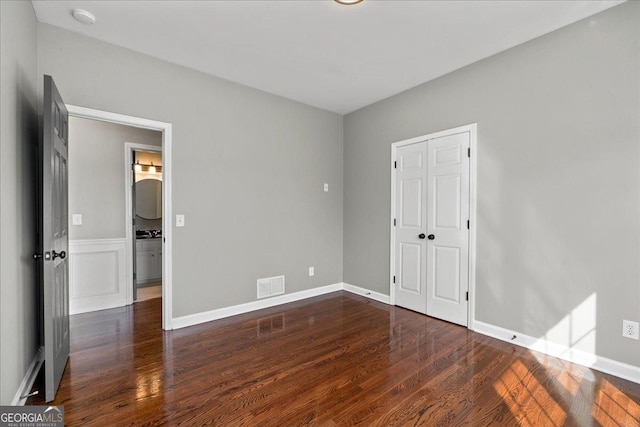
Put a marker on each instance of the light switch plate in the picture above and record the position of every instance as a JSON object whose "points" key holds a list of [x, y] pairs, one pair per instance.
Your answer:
{"points": [[76, 219], [326, 187], [312, 271], [179, 220]]}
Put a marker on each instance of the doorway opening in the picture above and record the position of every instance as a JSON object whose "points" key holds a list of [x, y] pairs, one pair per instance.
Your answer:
{"points": [[433, 205], [144, 176], [124, 258]]}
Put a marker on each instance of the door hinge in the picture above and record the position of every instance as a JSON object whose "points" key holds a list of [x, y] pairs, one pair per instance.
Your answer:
{"points": [[395, 165], [468, 225], [394, 279], [394, 222], [467, 295], [468, 152]]}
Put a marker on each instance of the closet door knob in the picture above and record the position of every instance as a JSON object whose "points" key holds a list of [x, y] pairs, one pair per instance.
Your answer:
{"points": [[421, 236]]}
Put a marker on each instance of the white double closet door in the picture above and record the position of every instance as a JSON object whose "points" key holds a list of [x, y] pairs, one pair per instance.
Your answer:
{"points": [[431, 227]]}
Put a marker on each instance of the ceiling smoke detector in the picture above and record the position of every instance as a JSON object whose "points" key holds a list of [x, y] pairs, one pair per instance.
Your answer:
{"points": [[83, 16], [348, 2]]}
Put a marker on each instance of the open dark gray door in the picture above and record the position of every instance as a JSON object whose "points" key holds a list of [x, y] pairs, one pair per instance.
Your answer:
{"points": [[54, 237]]}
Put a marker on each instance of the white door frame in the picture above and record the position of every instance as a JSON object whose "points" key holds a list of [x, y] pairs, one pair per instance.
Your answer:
{"points": [[472, 129], [165, 128]]}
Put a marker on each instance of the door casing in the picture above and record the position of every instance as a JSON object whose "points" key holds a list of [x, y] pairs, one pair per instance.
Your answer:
{"points": [[472, 129], [166, 129]]}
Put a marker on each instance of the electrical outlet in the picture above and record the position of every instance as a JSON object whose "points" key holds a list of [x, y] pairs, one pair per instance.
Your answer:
{"points": [[312, 271], [630, 329]]}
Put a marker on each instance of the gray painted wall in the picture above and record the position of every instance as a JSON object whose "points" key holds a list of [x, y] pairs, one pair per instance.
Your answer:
{"points": [[97, 175], [18, 139], [558, 180], [248, 169]]}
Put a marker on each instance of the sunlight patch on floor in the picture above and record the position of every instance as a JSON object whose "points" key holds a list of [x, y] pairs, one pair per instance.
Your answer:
{"points": [[614, 408], [569, 381], [522, 393]]}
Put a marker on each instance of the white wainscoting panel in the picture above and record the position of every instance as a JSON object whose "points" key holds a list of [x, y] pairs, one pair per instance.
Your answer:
{"points": [[97, 275]]}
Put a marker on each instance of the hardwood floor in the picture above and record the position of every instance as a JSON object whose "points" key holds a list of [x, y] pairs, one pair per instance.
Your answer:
{"points": [[334, 360], [149, 292]]}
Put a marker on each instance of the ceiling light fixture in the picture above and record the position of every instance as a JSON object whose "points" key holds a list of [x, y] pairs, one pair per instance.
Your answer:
{"points": [[83, 16], [348, 2]]}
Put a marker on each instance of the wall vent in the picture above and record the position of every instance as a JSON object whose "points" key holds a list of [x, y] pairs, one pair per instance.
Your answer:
{"points": [[270, 286]]}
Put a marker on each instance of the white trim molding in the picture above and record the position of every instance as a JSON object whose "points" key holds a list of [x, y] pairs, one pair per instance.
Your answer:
{"points": [[579, 357], [29, 379], [377, 296], [220, 313], [97, 274], [167, 200]]}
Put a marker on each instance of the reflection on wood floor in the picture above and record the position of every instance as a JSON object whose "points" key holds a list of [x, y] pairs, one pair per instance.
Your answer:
{"points": [[337, 359]]}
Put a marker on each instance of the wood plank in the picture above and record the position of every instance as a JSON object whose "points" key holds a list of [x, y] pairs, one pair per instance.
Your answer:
{"points": [[334, 360]]}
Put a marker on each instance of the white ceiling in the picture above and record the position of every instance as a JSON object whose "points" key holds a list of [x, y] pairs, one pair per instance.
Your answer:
{"points": [[339, 58]]}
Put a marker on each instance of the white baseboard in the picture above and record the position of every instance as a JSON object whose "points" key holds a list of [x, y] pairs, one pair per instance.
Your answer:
{"points": [[366, 293], [29, 379], [220, 313], [579, 357]]}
